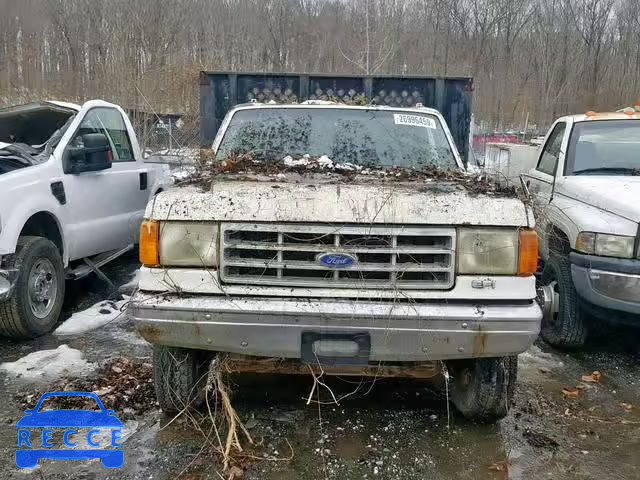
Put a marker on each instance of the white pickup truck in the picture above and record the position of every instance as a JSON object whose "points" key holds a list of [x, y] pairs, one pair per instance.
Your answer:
{"points": [[73, 188], [346, 236], [586, 193]]}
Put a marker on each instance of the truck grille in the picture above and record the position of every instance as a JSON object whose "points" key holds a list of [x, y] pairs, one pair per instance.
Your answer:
{"points": [[385, 257]]}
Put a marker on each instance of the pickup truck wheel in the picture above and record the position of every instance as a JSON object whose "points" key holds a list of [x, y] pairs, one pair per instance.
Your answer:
{"points": [[565, 327], [36, 302], [180, 377], [482, 389]]}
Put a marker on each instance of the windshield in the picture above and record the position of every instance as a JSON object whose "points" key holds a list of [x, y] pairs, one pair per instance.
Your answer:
{"points": [[607, 147], [368, 138]]}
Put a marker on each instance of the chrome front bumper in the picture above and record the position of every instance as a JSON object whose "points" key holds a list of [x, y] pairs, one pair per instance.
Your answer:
{"points": [[609, 283], [397, 331], [8, 279]]}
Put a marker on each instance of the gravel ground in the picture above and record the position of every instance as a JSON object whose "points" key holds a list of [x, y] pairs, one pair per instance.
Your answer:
{"points": [[390, 429]]}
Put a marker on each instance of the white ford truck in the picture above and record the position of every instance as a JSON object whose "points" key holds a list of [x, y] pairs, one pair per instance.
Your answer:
{"points": [[346, 236], [586, 192], [73, 188]]}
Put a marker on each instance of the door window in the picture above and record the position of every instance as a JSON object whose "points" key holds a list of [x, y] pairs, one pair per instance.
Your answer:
{"points": [[551, 151], [109, 122]]}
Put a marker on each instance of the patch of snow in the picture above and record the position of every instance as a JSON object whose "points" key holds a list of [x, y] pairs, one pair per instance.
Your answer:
{"points": [[325, 162], [178, 152], [534, 357], [48, 364], [92, 318], [291, 162], [183, 172], [132, 285], [347, 166]]}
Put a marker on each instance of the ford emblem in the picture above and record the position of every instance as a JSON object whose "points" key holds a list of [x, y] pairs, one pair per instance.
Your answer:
{"points": [[336, 260]]}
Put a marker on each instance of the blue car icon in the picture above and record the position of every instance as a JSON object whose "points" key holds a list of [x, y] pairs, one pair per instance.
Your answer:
{"points": [[69, 419]]}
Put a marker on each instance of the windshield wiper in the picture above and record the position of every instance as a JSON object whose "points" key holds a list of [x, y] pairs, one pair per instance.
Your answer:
{"points": [[621, 170]]}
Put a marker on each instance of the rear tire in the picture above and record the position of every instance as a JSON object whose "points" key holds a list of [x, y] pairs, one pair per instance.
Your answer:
{"points": [[482, 389], [567, 328], [180, 377], [35, 304]]}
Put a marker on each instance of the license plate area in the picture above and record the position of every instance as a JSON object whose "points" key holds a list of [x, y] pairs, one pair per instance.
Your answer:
{"points": [[335, 348]]}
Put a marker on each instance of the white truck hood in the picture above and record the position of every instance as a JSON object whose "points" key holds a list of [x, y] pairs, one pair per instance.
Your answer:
{"points": [[430, 203], [614, 194], [33, 123]]}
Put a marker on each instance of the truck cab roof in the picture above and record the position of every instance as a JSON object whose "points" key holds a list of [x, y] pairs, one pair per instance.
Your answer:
{"points": [[633, 114], [339, 105]]}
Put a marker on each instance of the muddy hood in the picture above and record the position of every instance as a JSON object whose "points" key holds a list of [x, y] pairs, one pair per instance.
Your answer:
{"points": [[426, 203], [614, 194]]}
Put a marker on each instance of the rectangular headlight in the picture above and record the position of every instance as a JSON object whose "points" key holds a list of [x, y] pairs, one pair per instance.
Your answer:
{"points": [[489, 251], [188, 244], [605, 245]]}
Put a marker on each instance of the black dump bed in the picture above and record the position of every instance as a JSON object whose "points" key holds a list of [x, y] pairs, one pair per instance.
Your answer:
{"points": [[220, 91]]}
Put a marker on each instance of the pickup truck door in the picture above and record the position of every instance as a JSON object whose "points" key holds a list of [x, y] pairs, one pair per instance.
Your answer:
{"points": [[540, 181], [104, 206]]}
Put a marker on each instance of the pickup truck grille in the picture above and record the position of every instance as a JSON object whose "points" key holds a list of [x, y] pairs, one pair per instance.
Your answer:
{"points": [[385, 257]]}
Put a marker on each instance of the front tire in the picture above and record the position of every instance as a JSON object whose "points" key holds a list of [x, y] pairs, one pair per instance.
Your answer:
{"points": [[482, 389], [180, 377], [35, 304], [567, 327]]}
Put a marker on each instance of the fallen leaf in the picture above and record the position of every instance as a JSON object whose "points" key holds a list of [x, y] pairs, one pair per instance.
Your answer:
{"points": [[104, 391], [581, 387], [569, 392], [627, 406], [595, 377], [235, 473], [501, 466], [539, 439]]}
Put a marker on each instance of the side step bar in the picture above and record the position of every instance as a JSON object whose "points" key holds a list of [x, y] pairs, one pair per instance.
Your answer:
{"points": [[94, 263]]}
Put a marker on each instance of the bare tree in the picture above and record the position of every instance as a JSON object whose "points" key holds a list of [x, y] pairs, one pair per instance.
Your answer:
{"points": [[529, 57]]}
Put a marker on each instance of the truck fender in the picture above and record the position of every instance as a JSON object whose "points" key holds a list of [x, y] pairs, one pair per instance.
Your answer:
{"points": [[161, 180], [13, 225], [570, 217], [559, 233]]}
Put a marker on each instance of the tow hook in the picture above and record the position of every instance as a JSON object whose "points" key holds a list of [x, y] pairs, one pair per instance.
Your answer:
{"points": [[549, 300]]}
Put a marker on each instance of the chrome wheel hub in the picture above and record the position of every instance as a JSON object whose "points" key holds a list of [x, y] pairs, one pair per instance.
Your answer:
{"points": [[549, 300], [43, 287]]}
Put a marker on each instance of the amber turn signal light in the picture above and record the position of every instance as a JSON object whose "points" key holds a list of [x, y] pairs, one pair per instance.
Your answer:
{"points": [[528, 252], [149, 252]]}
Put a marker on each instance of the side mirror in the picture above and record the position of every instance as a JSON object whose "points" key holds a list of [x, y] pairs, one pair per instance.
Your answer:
{"points": [[94, 155]]}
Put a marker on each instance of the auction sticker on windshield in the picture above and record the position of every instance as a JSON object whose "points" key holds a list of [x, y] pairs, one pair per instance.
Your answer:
{"points": [[413, 120], [69, 433]]}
